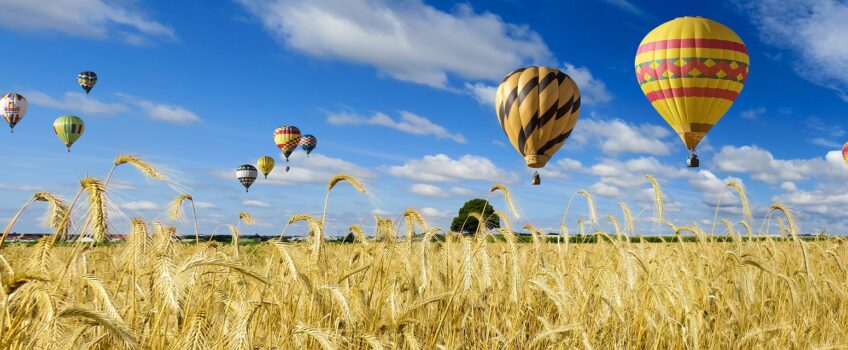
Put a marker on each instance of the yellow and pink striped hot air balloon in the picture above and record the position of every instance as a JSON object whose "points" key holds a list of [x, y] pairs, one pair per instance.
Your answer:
{"points": [[692, 69]]}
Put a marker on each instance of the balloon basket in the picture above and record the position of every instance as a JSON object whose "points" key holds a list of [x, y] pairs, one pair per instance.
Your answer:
{"points": [[693, 161], [536, 179]]}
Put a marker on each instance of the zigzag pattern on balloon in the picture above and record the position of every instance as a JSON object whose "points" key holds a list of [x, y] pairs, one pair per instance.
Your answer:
{"points": [[695, 67]]}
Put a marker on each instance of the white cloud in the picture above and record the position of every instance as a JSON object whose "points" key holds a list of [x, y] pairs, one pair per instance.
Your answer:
{"points": [[604, 190], [318, 169], [23, 188], [85, 18], [434, 213], [753, 113], [140, 205], [569, 164], [407, 40], [461, 191], [617, 137], [442, 168], [711, 186], [484, 93], [408, 123], [256, 203], [823, 142], [825, 134], [74, 101], [762, 166], [163, 112], [592, 90], [204, 205], [428, 190], [815, 32]]}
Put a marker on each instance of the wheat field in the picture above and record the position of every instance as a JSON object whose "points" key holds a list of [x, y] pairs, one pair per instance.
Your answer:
{"points": [[412, 286]]}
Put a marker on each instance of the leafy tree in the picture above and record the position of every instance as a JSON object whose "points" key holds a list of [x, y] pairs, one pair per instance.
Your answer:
{"points": [[474, 206]]}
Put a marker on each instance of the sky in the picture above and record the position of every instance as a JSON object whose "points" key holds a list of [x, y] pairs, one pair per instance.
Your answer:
{"points": [[400, 94]]}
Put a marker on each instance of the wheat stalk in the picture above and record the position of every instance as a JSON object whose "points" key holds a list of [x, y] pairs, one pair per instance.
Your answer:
{"points": [[628, 219], [246, 218], [147, 169], [508, 197], [97, 215], [658, 197], [591, 203]]}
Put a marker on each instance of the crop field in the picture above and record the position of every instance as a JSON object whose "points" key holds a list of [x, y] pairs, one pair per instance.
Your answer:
{"points": [[463, 293], [412, 286]]}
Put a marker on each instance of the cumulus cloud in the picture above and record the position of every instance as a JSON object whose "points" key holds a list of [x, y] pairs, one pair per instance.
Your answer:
{"points": [[435, 213], [753, 113], [761, 165], [204, 205], [409, 40], [442, 168], [256, 203], [318, 170], [409, 123], [23, 188], [592, 90], [85, 18], [484, 93], [74, 101], [428, 190], [826, 135], [616, 137], [163, 112], [814, 30], [140, 205], [461, 191]]}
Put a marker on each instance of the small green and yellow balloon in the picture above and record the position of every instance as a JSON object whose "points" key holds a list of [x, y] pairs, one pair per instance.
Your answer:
{"points": [[68, 128], [265, 165]]}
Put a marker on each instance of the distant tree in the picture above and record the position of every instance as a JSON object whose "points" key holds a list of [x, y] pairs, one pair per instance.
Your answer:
{"points": [[470, 223]]}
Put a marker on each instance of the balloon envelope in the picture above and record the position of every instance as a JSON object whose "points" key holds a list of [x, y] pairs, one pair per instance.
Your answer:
{"points": [[691, 69], [537, 108], [287, 138], [68, 128], [845, 152], [87, 80], [246, 174], [14, 106], [308, 143], [265, 164]]}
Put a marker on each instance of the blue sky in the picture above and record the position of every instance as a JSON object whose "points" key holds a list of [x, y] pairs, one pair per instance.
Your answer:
{"points": [[399, 93]]}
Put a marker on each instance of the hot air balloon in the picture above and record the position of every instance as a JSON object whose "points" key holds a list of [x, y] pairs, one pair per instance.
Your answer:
{"points": [[287, 138], [246, 174], [845, 152], [691, 69], [308, 143], [265, 164], [537, 108], [68, 128], [87, 80], [14, 106]]}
